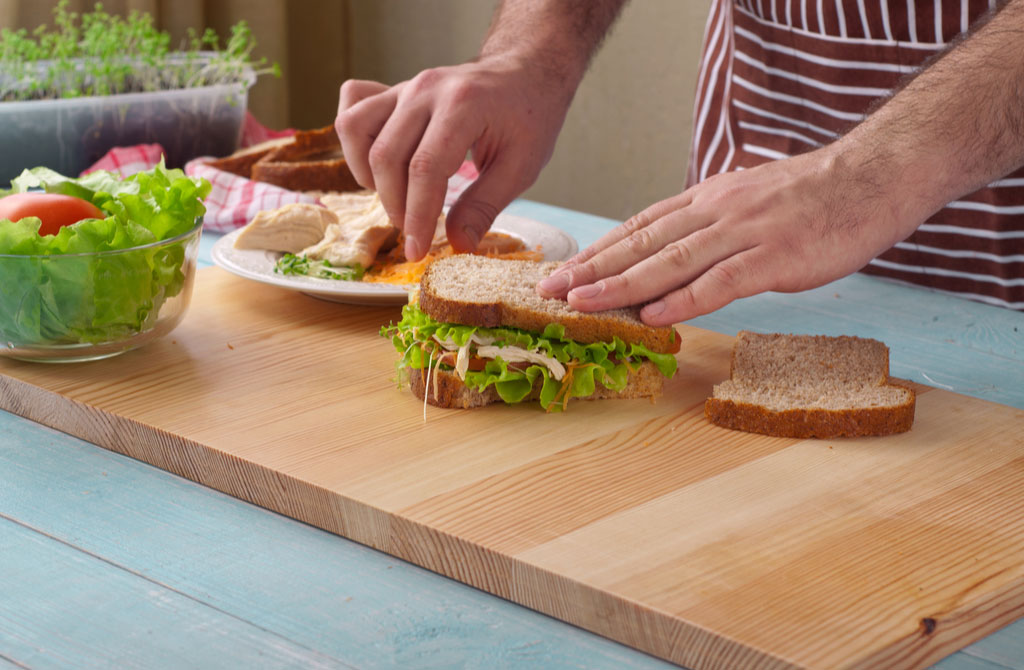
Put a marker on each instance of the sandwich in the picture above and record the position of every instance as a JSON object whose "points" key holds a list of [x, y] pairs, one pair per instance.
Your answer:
{"points": [[810, 386], [477, 333]]}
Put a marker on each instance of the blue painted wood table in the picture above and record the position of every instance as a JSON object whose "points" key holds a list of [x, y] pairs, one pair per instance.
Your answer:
{"points": [[106, 562]]}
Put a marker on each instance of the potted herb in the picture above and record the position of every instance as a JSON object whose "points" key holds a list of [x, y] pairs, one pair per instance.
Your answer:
{"points": [[93, 81]]}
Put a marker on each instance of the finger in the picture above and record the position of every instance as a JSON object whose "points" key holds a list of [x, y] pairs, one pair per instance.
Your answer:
{"points": [[633, 224], [439, 155], [677, 264], [390, 154], [358, 122], [730, 279], [473, 213], [357, 90], [631, 248]]}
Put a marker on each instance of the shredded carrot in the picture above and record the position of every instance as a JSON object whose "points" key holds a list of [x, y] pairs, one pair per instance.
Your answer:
{"points": [[566, 387], [392, 267]]}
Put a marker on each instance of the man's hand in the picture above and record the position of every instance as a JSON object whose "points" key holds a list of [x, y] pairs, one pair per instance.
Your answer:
{"points": [[505, 108], [804, 221], [405, 141], [785, 226]]}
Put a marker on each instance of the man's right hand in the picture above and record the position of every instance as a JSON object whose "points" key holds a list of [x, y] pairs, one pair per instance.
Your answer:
{"points": [[406, 140]]}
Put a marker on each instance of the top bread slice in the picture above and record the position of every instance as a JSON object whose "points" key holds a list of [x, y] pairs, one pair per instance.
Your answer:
{"points": [[810, 386], [491, 292]]}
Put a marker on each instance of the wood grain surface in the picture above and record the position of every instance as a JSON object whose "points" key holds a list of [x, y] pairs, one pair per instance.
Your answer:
{"points": [[635, 520]]}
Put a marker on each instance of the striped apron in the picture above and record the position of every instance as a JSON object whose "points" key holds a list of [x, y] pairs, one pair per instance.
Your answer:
{"points": [[782, 77]]}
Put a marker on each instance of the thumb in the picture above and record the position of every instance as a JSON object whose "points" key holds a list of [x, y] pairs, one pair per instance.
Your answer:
{"points": [[473, 213]]}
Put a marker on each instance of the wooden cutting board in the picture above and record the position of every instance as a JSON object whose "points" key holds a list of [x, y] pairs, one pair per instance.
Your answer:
{"points": [[636, 520]]}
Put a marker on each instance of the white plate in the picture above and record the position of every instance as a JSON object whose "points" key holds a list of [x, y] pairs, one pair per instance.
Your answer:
{"points": [[258, 265]]}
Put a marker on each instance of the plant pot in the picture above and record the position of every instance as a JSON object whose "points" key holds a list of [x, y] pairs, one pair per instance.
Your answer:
{"points": [[69, 135]]}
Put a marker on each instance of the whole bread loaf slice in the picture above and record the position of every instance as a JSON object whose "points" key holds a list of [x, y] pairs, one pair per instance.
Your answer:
{"points": [[810, 386], [308, 161], [241, 162], [491, 292], [449, 392]]}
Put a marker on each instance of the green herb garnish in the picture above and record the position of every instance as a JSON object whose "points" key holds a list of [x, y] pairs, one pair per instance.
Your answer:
{"points": [[290, 264]]}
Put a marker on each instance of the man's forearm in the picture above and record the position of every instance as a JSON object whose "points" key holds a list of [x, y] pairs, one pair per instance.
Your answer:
{"points": [[956, 126], [558, 35]]}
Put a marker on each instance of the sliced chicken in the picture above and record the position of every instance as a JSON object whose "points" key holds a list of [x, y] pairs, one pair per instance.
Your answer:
{"points": [[355, 201], [362, 230], [290, 228]]}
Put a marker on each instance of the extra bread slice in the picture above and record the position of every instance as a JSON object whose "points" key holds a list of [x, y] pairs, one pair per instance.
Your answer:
{"points": [[241, 162], [449, 392], [310, 160], [810, 386], [491, 292]]}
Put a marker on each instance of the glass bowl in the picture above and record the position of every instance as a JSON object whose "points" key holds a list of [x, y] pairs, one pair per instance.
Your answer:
{"points": [[66, 308]]}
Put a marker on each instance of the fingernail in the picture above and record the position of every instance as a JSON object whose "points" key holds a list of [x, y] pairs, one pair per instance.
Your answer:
{"points": [[473, 235], [588, 291], [413, 251], [556, 282], [655, 308]]}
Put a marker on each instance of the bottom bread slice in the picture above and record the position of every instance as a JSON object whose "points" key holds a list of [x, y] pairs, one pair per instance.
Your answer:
{"points": [[447, 391], [810, 386], [812, 422]]}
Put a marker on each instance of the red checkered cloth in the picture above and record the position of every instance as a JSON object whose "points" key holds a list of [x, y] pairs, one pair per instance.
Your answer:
{"points": [[234, 200], [126, 161]]}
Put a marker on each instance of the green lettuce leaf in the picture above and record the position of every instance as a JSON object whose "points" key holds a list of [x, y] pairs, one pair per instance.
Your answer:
{"points": [[593, 363], [50, 298]]}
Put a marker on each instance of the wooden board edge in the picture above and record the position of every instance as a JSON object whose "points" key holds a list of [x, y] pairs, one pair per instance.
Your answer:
{"points": [[197, 462]]}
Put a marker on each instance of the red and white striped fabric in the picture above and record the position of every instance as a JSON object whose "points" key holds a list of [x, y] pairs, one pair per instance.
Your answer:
{"points": [[234, 200], [782, 77], [126, 161]]}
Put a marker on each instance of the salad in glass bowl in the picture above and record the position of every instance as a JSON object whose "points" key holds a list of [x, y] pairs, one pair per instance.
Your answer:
{"points": [[95, 266]]}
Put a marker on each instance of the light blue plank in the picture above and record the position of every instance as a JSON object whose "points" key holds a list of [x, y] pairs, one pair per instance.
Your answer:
{"points": [[969, 662], [305, 585], [206, 242], [62, 608], [1004, 648]]}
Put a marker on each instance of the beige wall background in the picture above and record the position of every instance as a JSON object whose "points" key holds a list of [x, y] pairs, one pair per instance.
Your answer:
{"points": [[625, 142]]}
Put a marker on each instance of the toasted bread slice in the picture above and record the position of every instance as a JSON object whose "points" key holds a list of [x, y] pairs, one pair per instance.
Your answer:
{"points": [[490, 292], [241, 162], [810, 386], [312, 162], [308, 161], [447, 391]]}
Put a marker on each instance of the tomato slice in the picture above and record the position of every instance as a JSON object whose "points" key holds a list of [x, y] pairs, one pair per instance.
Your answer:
{"points": [[677, 344], [475, 362], [54, 210]]}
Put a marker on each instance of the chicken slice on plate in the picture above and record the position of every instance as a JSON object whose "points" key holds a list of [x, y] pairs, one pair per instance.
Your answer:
{"points": [[362, 230], [288, 229]]}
